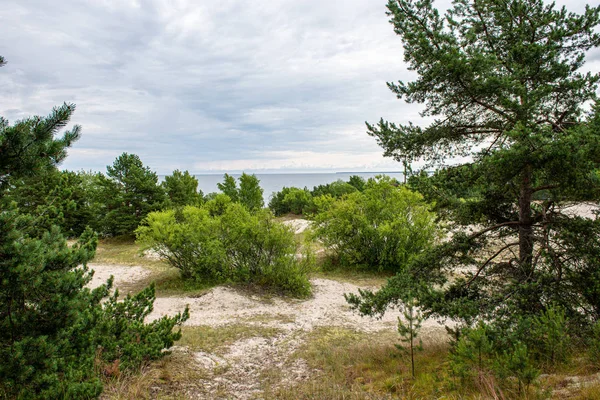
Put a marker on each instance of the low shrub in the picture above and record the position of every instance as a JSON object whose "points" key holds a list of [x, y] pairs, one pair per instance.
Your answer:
{"points": [[337, 189], [380, 228], [291, 200], [234, 245], [124, 341]]}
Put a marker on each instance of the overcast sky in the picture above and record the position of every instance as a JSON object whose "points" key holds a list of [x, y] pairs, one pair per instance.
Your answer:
{"points": [[211, 85]]}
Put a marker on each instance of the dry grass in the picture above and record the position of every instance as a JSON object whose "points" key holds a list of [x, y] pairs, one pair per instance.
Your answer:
{"points": [[216, 339], [346, 364], [355, 277], [174, 377]]}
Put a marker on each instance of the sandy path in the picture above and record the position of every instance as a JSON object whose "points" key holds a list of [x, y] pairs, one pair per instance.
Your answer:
{"points": [[122, 274], [236, 372], [327, 307]]}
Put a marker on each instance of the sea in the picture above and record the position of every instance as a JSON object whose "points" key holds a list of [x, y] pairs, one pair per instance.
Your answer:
{"points": [[272, 183]]}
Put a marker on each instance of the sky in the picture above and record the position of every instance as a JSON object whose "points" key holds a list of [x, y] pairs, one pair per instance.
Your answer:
{"points": [[211, 86]]}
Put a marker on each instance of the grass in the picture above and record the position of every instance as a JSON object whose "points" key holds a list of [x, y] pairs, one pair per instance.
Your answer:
{"points": [[215, 339], [352, 365], [167, 279], [173, 377], [123, 251], [345, 364]]}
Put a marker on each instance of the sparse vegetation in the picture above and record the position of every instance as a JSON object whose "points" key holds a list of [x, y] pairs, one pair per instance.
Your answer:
{"points": [[514, 138]]}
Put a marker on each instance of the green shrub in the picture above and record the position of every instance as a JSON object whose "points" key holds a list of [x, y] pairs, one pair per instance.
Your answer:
{"points": [[124, 341], [549, 339], [336, 189], [381, 228], [594, 345], [291, 200], [298, 201], [478, 357], [217, 204], [517, 363], [276, 204], [188, 240], [233, 245], [472, 356]]}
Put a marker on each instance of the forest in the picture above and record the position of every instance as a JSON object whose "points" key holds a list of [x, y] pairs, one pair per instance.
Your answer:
{"points": [[479, 280]]}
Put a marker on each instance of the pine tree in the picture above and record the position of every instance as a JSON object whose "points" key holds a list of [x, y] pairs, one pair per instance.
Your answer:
{"points": [[182, 189], [409, 329], [131, 192], [500, 78], [229, 187], [46, 317], [250, 193], [50, 324]]}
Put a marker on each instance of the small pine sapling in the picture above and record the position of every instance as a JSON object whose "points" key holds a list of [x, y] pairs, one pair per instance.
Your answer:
{"points": [[517, 362], [409, 329], [594, 345]]}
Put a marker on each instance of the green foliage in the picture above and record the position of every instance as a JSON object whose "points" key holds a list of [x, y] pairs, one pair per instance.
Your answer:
{"points": [[481, 353], [231, 245], [54, 198], [229, 187], [29, 147], [182, 189], [291, 200], [124, 341], [250, 193], [549, 339], [509, 96], [336, 189], [409, 328], [46, 315], [218, 204], [473, 354], [517, 363], [594, 345], [358, 182], [130, 191], [381, 228], [276, 202]]}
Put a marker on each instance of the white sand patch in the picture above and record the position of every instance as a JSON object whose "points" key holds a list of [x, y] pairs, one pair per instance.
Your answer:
{"points": [[298, 225], [122, 274], [328, 307], [585, 210]]}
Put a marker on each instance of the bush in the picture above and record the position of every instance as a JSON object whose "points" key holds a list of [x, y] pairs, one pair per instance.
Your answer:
{"points": [[233, 245], [549, 339], [594, 345], [478, 357], [124, 341], [336, 189], [291, 200], [381, 228]]}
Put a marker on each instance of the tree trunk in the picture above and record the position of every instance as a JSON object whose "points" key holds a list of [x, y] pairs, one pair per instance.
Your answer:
{"points": [[525, 223], [526, 237]]}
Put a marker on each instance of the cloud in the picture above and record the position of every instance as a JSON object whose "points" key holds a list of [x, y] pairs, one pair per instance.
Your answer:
{"points": [[211, 85]]}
